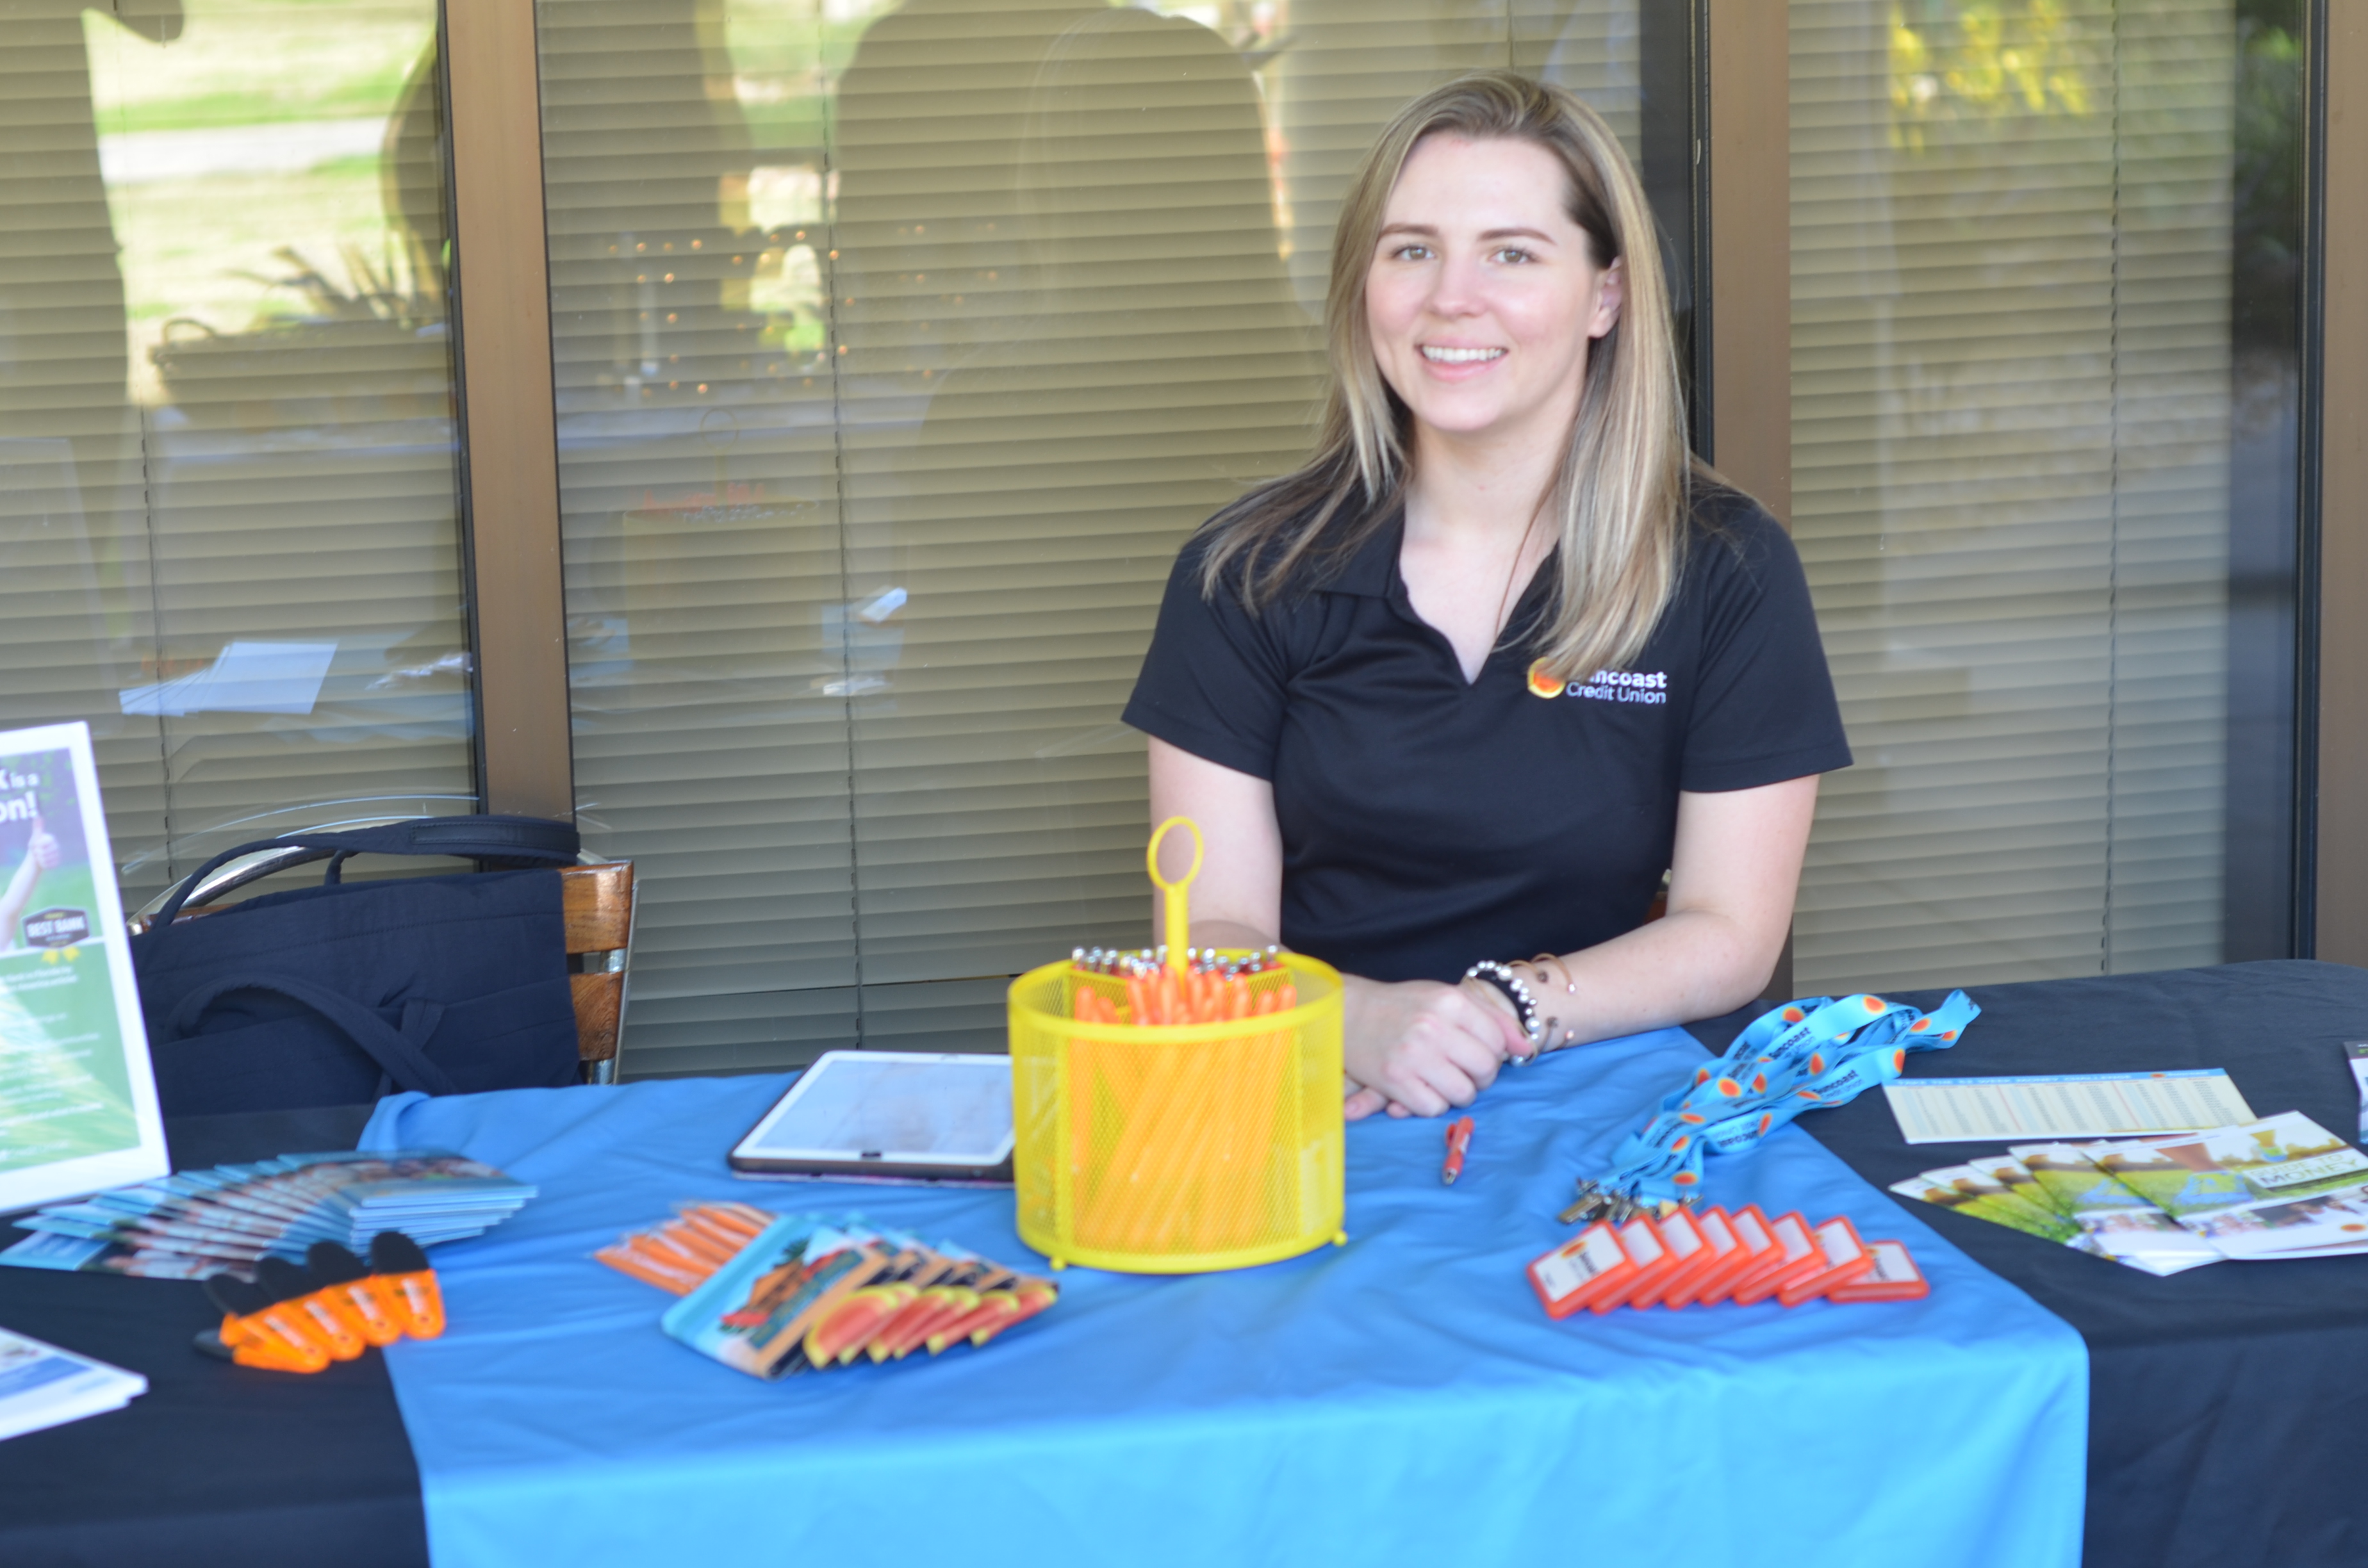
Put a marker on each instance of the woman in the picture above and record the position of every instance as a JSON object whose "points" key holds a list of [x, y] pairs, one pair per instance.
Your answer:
{"points": [[1464, 686]]}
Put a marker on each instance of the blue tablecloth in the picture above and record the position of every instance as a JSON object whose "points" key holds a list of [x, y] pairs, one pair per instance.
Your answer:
{"points": [[1400, 1399]]}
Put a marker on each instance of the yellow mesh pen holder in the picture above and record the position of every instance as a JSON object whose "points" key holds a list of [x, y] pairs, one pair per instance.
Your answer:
{"points": [[1180, 1148], [1176, 1148]]}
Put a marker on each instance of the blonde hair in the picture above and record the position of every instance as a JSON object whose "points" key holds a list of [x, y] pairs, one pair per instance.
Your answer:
{"points": [[1623, 492]]}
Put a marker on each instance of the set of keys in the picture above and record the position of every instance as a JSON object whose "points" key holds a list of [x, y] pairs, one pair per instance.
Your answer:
{"points": [[1595, 1202]]}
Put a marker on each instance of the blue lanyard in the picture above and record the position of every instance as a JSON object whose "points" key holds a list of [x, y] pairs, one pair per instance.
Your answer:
{"points": [[1803, 1056]]}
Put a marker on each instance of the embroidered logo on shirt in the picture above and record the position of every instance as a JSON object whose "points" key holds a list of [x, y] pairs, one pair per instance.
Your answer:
{"points": [[1604, 686]]}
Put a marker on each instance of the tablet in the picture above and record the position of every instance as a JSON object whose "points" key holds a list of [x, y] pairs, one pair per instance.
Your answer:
{"points": [[888, 1116]]}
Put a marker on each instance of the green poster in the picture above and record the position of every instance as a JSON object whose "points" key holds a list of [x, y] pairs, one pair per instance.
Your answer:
{"points": [[77, 1100], [64, 1088]]}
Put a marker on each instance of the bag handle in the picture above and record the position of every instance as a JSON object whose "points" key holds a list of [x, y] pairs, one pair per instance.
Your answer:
{"points": [[397, 1054], [487, 837]]}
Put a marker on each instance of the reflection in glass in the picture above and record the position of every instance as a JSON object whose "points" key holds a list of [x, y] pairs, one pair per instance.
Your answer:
{"points": [[2035, 450], [901, 347], [228, 521]]}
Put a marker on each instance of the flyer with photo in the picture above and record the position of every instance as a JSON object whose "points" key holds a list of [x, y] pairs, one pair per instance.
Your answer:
{"points": [[77, 1099], [2261, 1189], [1985, 1197]]}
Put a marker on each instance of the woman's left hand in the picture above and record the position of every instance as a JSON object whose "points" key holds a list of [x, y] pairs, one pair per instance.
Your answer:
{"points": [[1416, 1048]]}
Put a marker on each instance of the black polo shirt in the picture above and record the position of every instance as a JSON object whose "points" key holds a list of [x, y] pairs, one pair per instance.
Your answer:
{"points": [[1428, 823]]}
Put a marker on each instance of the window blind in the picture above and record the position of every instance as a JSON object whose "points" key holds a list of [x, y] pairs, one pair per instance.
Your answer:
{"points": [[900, 350], [2010, 439], [227, 524]]}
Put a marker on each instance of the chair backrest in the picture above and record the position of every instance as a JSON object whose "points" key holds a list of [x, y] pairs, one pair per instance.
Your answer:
{"points": [[597, 901]]}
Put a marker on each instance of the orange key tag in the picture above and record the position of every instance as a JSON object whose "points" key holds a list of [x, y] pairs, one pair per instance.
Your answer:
{"points": [[1894, 1277], [1844, 1257], [1642, 1242], [1754, 1249], [1683, 1240], [1798, 1259], [1715, 1259], [1576, 1272]]}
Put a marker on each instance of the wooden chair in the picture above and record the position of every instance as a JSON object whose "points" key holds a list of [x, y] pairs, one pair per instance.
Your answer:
{"points": [[598, 903]]}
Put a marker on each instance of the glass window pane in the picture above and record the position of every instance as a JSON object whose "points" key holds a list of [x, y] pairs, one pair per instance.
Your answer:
{"points": [[2043, 440], [899, 349], [229, 526]]}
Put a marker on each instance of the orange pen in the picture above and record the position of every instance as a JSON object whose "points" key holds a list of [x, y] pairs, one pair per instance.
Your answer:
{"points": [[1459, 1141]]}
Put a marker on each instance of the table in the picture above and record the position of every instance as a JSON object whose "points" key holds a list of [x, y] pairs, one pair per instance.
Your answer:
{"points": [[213, 1464], [2221, 1399]]}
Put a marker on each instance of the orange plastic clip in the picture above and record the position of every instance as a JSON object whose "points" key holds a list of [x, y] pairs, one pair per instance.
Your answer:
{"points": [[331, 1327], [396, 1259]]}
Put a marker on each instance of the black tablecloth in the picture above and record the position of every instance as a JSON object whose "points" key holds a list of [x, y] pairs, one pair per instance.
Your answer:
{"points": [[215, 1463], [2225, 1403]]}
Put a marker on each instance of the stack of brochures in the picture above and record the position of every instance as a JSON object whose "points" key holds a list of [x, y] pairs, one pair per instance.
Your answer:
{"points": [[2281, 1186], [196, 1224], [41, 1385]]}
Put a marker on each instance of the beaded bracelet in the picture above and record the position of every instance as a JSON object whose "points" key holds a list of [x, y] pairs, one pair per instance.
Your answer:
{"points": [[1517, 991]]}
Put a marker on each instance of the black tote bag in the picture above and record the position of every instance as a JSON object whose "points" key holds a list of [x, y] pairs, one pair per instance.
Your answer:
{"points": [[339, 993]]}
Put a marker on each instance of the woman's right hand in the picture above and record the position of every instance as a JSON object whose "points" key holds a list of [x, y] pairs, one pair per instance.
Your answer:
{"points": [[1417, 1046]]}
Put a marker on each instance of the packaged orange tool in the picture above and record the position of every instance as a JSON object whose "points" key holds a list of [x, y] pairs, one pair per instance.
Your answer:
{"points": [[332, 1325], [396, 1258], [367, 1302], [258, 1331]]}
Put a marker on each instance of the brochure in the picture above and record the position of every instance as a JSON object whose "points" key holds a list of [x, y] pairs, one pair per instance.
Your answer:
{"points": [[2356, 1052], [1971, 1190], [2114, 1221], [2055, 1191], [77, 1099], [2266, 1189], [41, 1385], [2280, 1186], [199, 1223]]}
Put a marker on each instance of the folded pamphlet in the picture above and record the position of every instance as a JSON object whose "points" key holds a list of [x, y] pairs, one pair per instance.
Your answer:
{"points": [[2280, 1186], [2266, 1188], [196, 1224]]}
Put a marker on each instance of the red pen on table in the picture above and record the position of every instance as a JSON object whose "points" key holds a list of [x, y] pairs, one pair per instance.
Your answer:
{"points": [[1459, 1139]]}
